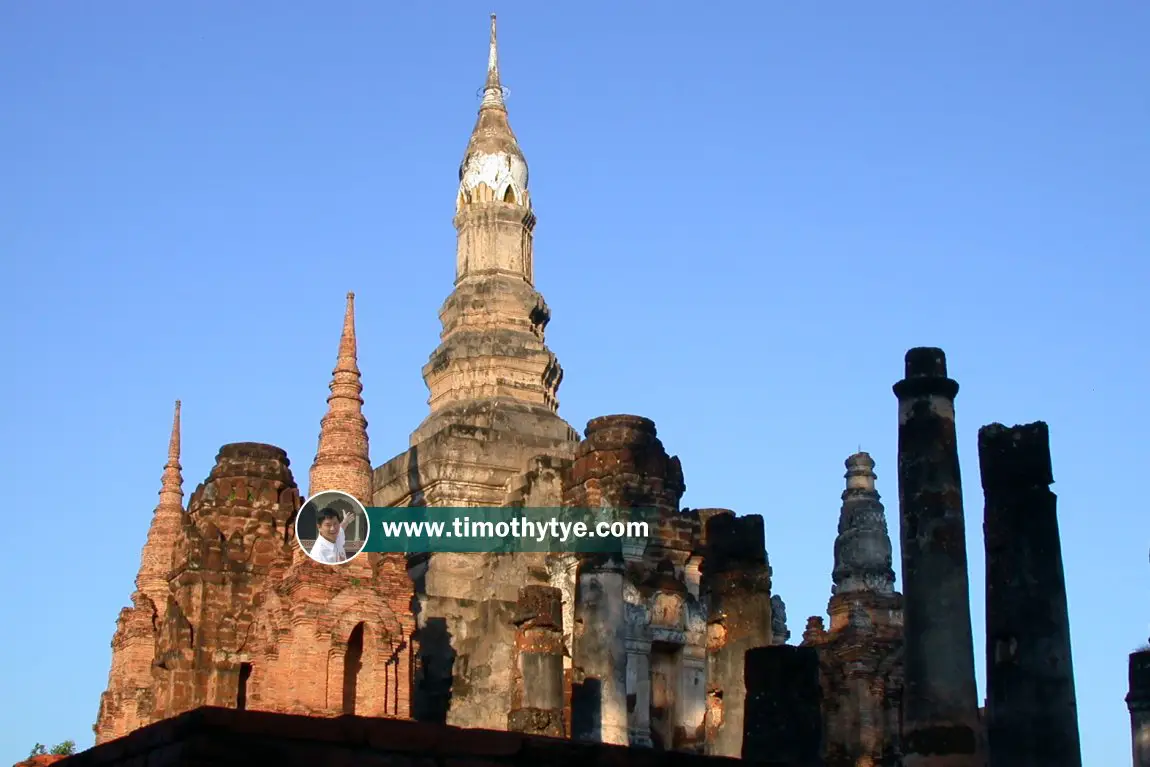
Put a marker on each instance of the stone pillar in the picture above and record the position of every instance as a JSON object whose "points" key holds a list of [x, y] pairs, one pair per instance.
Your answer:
{"points": [[692, 697], [940, 714], [1032, 713], [784, 706], [1138, 701], [737, 585], [537, 663], [639, 691], [599, 691]]}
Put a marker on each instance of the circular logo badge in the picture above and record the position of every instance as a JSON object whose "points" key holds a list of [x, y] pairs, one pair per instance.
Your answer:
{"points": [[332, 527]]}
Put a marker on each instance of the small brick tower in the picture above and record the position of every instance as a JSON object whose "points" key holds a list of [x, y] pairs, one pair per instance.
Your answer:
{"points": [[350, 624], [127, 702]]}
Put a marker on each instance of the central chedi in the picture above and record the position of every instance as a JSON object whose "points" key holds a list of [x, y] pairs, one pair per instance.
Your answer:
{"points": [[493, 426], [492, 374]]}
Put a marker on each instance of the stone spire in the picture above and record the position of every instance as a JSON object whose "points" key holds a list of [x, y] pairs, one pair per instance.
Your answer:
{"points": [[863, 560], [156, 562], [493, 368], [493, 167], [492, 89], [172, 483], [341, 460]]}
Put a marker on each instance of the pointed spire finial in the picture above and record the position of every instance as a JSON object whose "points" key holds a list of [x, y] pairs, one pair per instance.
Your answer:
{"points": [[492, 87], [171, 486], [347, 360]]}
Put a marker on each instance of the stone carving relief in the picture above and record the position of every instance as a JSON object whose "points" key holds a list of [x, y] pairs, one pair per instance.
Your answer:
{"points": [[635, 610], [667, 611]]}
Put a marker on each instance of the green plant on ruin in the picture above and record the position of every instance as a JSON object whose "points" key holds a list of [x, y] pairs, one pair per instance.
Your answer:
{"points": [[66, 748]]}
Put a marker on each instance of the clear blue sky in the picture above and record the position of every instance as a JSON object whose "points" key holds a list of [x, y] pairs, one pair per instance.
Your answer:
{"points": [[746, 216]]}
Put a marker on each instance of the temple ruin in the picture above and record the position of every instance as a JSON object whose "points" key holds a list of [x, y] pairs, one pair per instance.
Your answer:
{"points": [[675, 644]]}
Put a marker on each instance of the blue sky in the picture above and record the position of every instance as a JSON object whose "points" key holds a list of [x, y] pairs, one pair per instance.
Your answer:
{"points": [[746, 216]]}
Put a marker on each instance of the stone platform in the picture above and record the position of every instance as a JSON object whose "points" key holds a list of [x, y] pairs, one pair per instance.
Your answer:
{"points": [[222, 737]]}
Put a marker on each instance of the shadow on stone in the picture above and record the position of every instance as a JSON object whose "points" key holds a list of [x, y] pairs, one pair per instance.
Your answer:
{"points": [[586, 710], [413, 482], [783, 721], [431, 698]]}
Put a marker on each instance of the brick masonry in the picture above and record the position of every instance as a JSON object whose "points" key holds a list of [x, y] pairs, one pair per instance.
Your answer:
{"points": [[229, 611]]}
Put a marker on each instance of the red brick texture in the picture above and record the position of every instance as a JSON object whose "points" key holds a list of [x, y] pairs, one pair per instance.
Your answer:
{"points": [[251, 624], [230, 612], [127, 702], [341, 459], [40, 761]]}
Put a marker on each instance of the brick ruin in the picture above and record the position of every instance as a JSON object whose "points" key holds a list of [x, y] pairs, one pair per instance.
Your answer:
{"points": [[675, 643]]}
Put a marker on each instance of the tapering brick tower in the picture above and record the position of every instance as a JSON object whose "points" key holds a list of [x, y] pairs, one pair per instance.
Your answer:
{"points": [[127, 703], [156, 562], [341, 460]]}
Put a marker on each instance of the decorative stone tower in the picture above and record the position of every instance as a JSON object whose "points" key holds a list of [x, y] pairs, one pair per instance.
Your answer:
{"points": [[492, 386], [492, 381], [861, 654], [863, 561], [492, 364], [126, 704]]}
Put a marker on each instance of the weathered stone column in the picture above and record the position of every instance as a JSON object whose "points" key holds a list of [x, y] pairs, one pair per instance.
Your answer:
{"points": [[940, 714], [692, 708], [1032, 712], [1138, 701], [537, 663], [599, 692], [784, 706], [639, 690], [737, 585]]}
